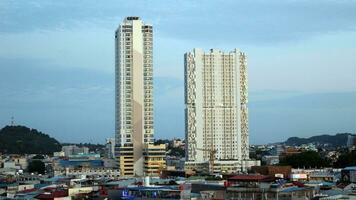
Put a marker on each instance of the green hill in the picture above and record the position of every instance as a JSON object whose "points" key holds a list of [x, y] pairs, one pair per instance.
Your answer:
{"points": [[338, 140], [23, 140]]}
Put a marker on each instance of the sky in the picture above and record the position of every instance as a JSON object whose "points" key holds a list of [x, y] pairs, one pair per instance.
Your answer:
{"points": [[57, 63]]}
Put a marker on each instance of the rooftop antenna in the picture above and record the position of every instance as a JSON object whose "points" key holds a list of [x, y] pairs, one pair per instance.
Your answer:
{"points": [[12, 121]]}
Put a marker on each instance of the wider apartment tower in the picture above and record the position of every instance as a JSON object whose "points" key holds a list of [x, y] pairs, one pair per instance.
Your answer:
{"points": [[216, 113], [134, 100]]}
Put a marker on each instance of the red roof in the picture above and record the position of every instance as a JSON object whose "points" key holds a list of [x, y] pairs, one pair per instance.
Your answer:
{"points": [[54, 194], [299, 184], [342, 185], [27, 191], [250, 177]]}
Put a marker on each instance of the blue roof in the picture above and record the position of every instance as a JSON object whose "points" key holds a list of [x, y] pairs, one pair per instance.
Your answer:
{"points": [[350, 168], [76, 163], [7, 184], [121, 183], [144, 188], [293, 189], [55, 178], [40, 185], [334, 192], [27, 195], [328, 183], [83, 155], [325, 183]]}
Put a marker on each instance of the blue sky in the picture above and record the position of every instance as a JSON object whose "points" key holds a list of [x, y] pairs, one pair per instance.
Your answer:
{"points": [[57, 63]]}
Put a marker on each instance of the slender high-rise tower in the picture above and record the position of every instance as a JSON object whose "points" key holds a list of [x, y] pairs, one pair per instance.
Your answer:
{"points": [[134, 95], [216, 114]]}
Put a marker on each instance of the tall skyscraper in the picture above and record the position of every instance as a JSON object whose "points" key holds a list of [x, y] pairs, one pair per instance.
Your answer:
{"points": [[216, 113], [134, 97]]}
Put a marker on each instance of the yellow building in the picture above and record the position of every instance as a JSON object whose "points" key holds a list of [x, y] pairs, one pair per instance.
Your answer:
{"points": [[126, 160], [154, 159], [134, 124]]}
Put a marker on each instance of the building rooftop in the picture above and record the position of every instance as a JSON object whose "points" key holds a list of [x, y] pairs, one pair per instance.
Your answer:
{"points": [[350, 168], [154, 188], [132, 18], [253, 178], [294, 189]]}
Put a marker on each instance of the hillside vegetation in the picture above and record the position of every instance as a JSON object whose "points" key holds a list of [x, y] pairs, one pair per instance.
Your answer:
{"points": [[338, 140], [23, 140]]}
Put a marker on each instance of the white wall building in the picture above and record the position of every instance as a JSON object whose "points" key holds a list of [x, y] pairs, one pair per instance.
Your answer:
{"points": [[216, 113], [95, 172], [134, 94], [110, 147], [71, 150]]}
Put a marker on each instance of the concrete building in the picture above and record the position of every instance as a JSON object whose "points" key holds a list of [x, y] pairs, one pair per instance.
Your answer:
{"points": [[15, 162], [21, 161], [175, 163], [98, 172], [348, 175], [110, 147], [72, 150], [256, 187], [154, 159], [270, 160], [351, 141], [216, 113], [134, 94], [59, 154], [177, 143], [274, 171]]}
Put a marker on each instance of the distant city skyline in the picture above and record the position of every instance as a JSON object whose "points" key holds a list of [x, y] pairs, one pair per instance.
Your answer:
{"points": [[57, 64]]}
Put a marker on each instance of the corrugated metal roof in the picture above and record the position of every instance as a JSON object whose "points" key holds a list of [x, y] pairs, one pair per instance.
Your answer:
{"points": [[247, 177], [350, 168]]}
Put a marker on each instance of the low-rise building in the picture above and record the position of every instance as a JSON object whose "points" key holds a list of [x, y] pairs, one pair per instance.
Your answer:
{"points": [[15, 162], [270, 160], [315, 175], [177, 163], [154, 159], [322, 176], [255, 187], [74, 150], [59, 154], [221, 166], [60, 165], [289, 151], [92, 172], [178, 143], [348, 175], [110, 148], [275, 171]]}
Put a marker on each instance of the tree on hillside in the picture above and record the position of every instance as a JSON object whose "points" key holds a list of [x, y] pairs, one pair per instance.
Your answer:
{"points": [[161, 141], [176, 151], [38, 157], [23, 140], [36, 166], [345, 160], [308, 159]]}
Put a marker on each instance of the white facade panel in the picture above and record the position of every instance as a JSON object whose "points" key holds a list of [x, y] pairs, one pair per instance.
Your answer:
{"points": [[134, 90], [216, 105]]}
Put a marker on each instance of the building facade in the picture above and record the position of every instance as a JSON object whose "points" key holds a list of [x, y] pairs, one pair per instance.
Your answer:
{"points": [[110, 148], [71, 150], [216, 113], [134, 94], [154, 159]]}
